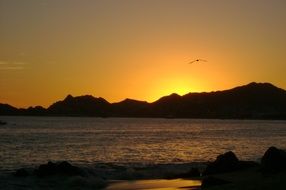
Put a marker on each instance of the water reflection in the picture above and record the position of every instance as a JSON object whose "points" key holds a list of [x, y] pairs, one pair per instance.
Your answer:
{"points": [[156, 184], [29, 141]]}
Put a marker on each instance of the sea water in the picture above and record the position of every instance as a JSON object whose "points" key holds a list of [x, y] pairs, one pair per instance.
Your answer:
{"points": [[29, 141]]}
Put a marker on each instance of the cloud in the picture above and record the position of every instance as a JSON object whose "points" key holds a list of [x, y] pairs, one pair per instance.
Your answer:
{"points": [[4, 63], [21, 54], [17, 65], [12, 68]]}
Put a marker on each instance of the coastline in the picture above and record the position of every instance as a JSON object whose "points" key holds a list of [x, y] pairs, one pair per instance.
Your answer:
{"points": [[105, 176], [99, 168], [226, 172]]}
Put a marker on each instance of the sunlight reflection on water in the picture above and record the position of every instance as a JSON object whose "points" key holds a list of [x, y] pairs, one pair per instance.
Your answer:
{"points": [[29, 141]]}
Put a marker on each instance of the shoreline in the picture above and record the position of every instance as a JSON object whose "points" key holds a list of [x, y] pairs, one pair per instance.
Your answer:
{"points": [[226, 172], [130, 117], [105, 176]]}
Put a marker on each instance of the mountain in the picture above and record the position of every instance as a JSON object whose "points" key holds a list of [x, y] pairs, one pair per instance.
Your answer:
{"points": [[255, 100], [80, 106], [6, 109], [130, 108], [252, 101]]}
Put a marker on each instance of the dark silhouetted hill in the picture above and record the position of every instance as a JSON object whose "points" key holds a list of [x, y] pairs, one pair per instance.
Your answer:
{"points": [[33, 111], [255, 100], [252, 101], [6, 109], [80, 106], [130, 108]]}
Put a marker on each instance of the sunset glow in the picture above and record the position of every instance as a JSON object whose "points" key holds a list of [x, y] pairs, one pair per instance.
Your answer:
{"points": [[137, 49], [142, 94]]}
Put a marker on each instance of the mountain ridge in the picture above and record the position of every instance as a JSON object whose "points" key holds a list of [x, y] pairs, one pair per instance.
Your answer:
{"points": [[251, 101]]}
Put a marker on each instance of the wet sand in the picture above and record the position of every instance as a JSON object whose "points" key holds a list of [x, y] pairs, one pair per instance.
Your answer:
{"points": [[153, 177], [162, 184], [109, 177]]}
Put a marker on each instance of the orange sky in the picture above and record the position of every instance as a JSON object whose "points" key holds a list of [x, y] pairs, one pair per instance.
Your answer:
{"points": [[137, 49]]}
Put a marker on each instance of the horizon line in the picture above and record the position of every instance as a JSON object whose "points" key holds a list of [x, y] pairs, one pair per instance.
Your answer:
{"points": [[142, 100]]}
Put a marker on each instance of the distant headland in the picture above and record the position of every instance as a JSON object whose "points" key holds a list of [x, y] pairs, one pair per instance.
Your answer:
{"points": [[251, 101]]}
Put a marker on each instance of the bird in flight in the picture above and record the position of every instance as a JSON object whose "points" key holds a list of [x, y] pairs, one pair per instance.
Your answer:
{"points": [[197, 60]]}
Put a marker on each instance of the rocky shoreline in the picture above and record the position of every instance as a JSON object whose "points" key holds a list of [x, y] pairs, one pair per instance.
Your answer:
{"points": [[226, 172]]}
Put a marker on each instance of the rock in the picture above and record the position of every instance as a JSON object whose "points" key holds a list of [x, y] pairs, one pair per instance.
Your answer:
{"points": [[67, 168], [226, 162], [213, 181], [273, 160], [3, 122], [247, 164], [21, 173], [62, 168], [79, 182], [46, 169]]}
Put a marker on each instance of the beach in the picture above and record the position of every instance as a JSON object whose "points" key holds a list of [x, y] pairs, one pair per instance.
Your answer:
{"points": [[155, 177], [131, 152]]}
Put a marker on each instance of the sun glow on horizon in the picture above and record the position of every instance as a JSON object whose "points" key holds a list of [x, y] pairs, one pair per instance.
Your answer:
{"points": [[169, 86], [137, 49]]}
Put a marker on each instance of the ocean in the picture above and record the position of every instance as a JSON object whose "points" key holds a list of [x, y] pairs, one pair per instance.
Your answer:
{"points": [[30, 141]]}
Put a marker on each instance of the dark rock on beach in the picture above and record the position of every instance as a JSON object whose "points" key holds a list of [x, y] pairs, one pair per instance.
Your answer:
{"points": [[55, 176], [21, 173], [62, 168], [273, 160], [247, 175], [3, 122], [228, 162]]}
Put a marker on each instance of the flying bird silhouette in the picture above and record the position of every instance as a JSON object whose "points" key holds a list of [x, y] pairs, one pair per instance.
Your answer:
{"points": [[197, 60]]}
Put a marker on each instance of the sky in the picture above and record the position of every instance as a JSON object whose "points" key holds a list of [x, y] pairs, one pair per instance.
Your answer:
{"points": [[137, 49]]}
